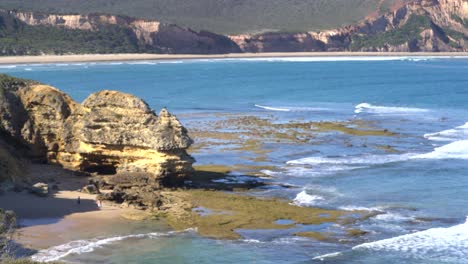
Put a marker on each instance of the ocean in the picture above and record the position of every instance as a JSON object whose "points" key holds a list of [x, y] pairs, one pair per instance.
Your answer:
{"points": [[416, 181]]}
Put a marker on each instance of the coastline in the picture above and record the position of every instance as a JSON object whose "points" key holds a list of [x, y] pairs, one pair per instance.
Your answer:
{"points": [[44, 59], [43, 220]]}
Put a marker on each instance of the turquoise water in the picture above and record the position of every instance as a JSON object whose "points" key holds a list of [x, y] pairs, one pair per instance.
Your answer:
{"points": [[421, 190]]}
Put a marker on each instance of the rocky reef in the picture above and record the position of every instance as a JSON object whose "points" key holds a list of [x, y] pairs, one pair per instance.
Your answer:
{"points": [[109, 133]]}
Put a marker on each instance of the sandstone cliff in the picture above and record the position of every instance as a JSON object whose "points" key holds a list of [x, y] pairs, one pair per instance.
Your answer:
{"points": [[422, 25], [152, 36], [109, 133], [418, 25]]}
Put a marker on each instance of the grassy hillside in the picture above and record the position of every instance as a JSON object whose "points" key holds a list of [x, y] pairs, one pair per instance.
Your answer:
{"points": [[222, 16]]}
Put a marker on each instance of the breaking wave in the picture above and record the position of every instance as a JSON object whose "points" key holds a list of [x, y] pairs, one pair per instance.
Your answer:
{"points": [[353, 160], [305, 199], [86, 246], [375, 109], [443, 244], [457, 133], [291, 108], [454, 150]]}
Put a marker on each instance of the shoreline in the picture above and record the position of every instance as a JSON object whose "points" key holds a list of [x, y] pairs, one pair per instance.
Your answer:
{"points": [[44, 59]]}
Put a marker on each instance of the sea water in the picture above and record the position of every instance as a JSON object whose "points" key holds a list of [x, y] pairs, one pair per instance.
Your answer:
{"points": [[420, 191]]}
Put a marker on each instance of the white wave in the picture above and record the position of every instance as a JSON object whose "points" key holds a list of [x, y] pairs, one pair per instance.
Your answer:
{"points": [[374, 109], [305, 199], [361, 208], [292, 108], [289, 240], [86, 246], [353, 160], [273, 108], [8, 66], [457, 133], [444, 244], [454, 150], [329, 255], [393, 217], [341, 58], [252, 241]]}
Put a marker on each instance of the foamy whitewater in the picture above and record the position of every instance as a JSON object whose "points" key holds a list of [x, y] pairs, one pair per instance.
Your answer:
{"points": [[440, 244], [414, 183]]}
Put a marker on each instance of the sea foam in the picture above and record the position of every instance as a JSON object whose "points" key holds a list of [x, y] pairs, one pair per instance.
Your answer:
{"points": [[353, 160], [292, 108], [454, 150], [457, 133], [443, 244], [375, 109], [305, 199], [86, 246]]}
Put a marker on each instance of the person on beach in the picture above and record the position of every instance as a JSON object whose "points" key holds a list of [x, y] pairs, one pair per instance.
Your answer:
{"points": [[78, 200]]}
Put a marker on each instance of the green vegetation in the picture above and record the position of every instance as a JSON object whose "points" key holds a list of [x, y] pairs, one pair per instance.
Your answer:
{"points": [[17, 38], [464, 22], [224, 17], [454, 34], [7, 226], [407, 33], [12, 83]]}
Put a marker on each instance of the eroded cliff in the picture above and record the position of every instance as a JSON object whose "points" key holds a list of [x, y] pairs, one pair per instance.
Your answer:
{"points": [[143, 35], [109, 133], [422, 25]]}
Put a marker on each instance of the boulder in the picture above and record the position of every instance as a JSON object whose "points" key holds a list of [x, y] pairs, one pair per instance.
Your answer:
{"points": [[40, 189], [91, 189]]}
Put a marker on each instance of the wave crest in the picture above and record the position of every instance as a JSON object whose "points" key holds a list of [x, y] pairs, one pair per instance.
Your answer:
{"points": [[375, 109], [436, 243]]}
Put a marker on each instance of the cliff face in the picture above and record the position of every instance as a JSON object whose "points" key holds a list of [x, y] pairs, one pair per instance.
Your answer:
{"points": [[110, 133], [423, 25], [420, 25], [153, 35]]}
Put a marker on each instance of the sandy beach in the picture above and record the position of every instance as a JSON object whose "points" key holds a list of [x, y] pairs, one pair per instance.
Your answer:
{"points": [[58, 218], [136, 57]]}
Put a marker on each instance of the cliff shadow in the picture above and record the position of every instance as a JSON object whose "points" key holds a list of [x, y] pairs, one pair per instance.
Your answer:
{"points": [[62, 198]]}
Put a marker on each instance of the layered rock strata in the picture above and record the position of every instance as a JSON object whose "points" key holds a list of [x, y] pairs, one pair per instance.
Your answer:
{"points": [[109, 133]]}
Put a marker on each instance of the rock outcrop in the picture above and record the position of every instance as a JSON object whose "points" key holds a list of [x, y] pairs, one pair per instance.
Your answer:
{"points": [[109, 133]]}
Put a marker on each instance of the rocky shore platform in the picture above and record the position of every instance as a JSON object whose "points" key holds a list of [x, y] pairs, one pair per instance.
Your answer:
{"points": [[112, 157]]}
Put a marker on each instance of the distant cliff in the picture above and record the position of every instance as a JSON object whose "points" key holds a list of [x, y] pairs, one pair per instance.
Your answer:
{"points": [[23, 33], [421, 25]]}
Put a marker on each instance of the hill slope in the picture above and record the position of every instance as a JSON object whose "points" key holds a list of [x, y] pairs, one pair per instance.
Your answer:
{"points": [[223, 16], [423, 25]]}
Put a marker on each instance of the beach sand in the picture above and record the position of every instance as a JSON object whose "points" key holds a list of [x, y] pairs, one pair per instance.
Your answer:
{"points": [[133, 57], [58, 218]]}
